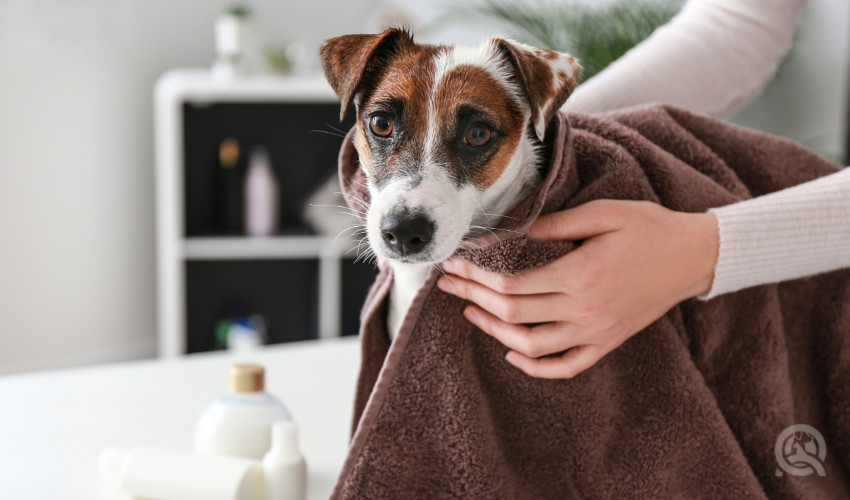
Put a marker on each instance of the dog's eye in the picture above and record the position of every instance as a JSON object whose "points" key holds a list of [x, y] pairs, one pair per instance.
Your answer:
{"points": [[381, 125], [478, 135]]}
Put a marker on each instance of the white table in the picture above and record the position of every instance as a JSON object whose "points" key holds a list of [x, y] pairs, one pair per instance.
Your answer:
{"points": [[53, 425]]}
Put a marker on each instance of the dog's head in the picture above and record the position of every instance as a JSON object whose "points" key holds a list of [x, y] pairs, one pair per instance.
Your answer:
{"points": [[447, 136]]}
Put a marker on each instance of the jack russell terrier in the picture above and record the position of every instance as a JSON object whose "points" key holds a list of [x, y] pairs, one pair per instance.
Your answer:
{"points": [[450, 138]]}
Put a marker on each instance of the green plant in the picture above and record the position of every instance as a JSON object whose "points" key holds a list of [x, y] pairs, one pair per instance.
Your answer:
{"points": [[596, 34], [278, 59], [238, 10]]}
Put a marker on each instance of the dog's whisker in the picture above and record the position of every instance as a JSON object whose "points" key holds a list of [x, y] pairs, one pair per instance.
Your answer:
{"points": [[492, 229], [354, 196], [335, 206], [466, 243], [358, 228], [503, 216], [489, 230], [356, 248], [362, 204], [328, 133], [440, 268], [342, 207], [364, 253], [367, 256], [498, 215], [343, 132], [360, 184]]}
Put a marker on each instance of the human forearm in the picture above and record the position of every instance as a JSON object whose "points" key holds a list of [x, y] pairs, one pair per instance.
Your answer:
{"points": [[714, 57], [800, 231]]}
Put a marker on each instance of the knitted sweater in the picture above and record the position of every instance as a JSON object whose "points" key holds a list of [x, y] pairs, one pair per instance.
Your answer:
{"points": [[714, 57]]}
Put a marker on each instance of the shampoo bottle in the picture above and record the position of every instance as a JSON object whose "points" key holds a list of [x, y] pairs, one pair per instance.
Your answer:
{"points": [[165, 474], [238, 423], [284, 469], [227, 212], [262, 197]]}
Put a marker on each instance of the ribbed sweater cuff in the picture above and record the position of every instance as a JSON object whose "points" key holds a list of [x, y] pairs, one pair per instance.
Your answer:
{"points": [[800, 231]]}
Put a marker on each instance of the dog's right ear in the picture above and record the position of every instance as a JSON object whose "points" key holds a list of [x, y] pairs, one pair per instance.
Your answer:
{"points": [[348, 60]]}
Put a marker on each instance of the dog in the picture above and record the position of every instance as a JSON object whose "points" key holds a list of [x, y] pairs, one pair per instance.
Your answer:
{"points": [[450, 139]]}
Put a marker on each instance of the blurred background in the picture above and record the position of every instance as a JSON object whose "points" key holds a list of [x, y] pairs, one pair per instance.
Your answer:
{"points": [[79, 281]]}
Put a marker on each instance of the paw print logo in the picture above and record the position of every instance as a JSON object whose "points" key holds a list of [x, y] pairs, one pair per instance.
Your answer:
{"points": [[800, 451]]}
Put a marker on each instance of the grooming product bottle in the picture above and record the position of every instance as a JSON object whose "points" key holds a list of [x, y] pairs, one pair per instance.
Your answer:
{"points": [[238, 423], [262, 197], [165, 474], [228, 188], [232, 42], [284, 469]]}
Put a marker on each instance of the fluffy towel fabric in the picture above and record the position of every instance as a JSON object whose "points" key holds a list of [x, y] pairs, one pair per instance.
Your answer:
{"points": [[691, 407]]}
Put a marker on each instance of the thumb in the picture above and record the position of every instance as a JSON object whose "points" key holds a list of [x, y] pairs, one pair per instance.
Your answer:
{"points": [[590, 219]]}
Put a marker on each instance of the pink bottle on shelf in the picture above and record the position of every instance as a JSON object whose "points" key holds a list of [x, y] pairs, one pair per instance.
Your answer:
{"points": [[262, 196]]}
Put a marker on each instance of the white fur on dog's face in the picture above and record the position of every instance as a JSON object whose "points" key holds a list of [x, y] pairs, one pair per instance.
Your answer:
{"points": [[433, 96]]}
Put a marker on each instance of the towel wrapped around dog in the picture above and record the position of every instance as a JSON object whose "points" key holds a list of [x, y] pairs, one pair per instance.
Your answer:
{"points": [[691, 407]]}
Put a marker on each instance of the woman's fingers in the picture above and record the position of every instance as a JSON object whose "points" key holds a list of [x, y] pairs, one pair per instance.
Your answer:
{"points": [[570, 364], [510, 308], [584, 221], [536, 341], [535, 281]]}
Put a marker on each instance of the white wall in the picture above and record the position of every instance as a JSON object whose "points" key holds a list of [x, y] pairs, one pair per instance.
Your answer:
{"points": [[76, 152], [808, 101]]}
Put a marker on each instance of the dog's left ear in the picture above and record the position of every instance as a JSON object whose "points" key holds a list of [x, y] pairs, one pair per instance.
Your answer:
{"points": [[545, 76], [349, 60]]}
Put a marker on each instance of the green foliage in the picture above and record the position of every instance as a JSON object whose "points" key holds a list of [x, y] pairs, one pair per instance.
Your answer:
{"points": [[238, 10], [596, 34]]}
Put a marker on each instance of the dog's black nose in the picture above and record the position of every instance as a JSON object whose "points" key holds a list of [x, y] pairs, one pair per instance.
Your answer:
{"points": [[407, 233]]}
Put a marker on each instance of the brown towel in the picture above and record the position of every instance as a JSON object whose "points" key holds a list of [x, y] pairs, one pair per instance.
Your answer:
{"points": [[691, 407]]}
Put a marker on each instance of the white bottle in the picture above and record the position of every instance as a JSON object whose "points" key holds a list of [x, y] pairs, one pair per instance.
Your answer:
{"points": [[238, 423], [233, 43], [284, 469], [262, 197], [165, 474]]}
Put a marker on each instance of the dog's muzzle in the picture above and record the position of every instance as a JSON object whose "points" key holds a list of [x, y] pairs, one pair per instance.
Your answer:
{"points": [[407, 233]]}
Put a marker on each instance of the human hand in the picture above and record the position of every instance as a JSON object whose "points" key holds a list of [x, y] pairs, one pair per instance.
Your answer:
{"points": [[637, 260]]}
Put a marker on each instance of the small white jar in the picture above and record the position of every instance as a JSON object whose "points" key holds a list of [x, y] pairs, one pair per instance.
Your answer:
{"points": [[238, 423]]}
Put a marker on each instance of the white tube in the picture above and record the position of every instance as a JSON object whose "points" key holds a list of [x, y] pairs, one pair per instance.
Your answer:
{"points": [[165, 474]]}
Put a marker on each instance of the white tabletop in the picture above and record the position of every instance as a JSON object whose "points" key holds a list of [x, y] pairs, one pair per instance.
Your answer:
{"points": [[53, 425]]}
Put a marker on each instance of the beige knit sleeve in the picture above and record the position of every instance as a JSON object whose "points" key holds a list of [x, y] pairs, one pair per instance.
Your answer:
{"points": [[714, 57], [796, 232]]}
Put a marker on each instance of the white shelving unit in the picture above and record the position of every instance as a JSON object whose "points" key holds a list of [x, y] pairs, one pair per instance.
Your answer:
{"points": [[174, 249]]}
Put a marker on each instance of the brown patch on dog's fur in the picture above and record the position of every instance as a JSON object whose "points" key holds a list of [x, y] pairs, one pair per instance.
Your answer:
{"points": [[535, 75], [472, 85], [408, 79], [348, 60], [364, 152], [550, 54], [386, 65]]}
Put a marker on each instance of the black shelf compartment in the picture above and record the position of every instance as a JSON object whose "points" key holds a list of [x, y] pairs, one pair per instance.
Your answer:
{"points": [[285, 292], [357, 279], [300, 137]]}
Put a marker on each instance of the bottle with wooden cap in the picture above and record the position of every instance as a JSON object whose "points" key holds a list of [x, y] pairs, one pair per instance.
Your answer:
{"points": [[238, 423]]}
